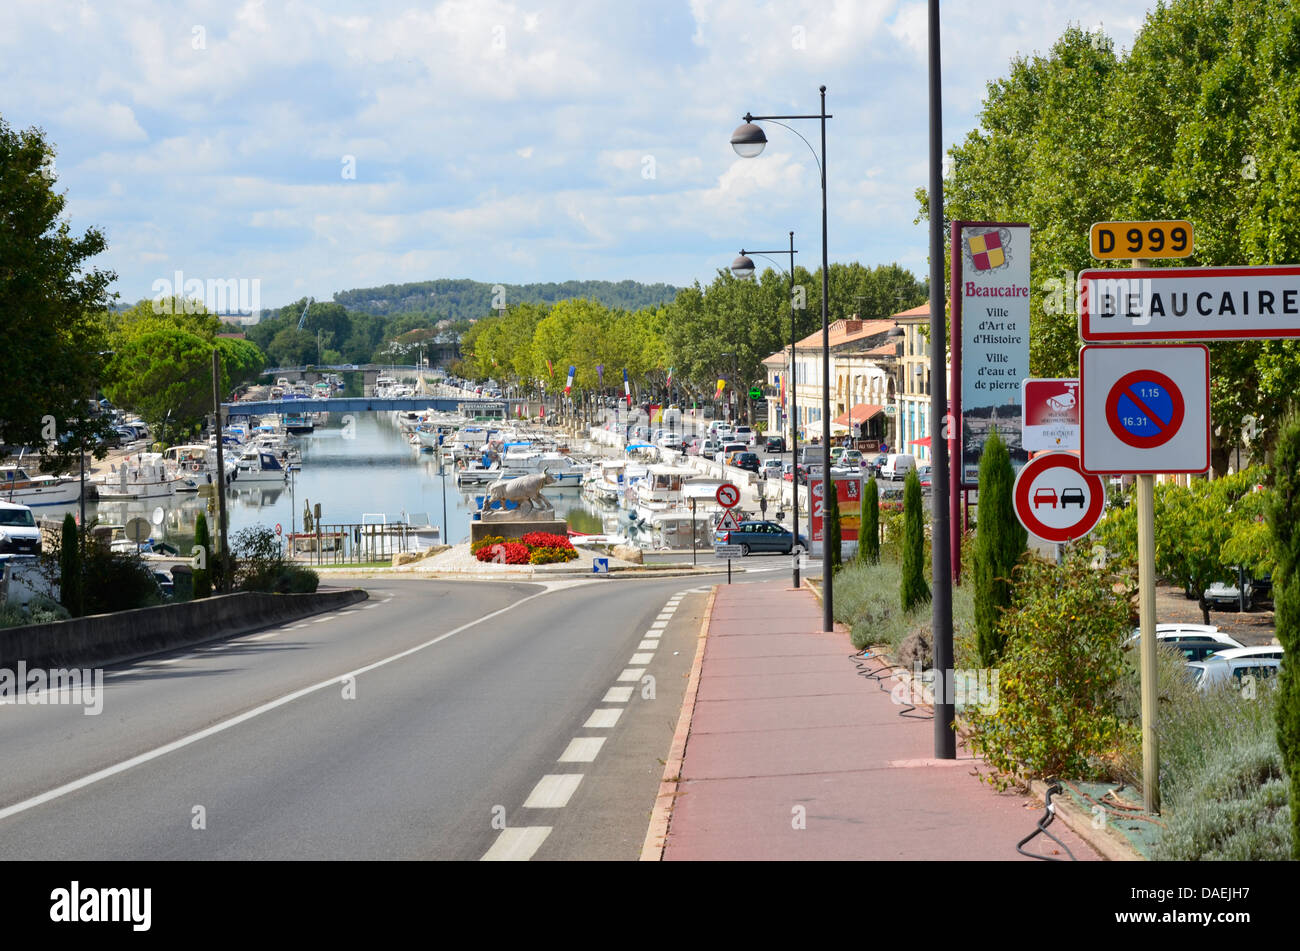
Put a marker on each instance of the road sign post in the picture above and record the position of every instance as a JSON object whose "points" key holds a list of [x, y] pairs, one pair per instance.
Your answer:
{"points": [[1147, 640]]}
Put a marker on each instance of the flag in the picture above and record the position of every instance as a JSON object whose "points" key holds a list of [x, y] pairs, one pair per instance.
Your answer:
{"points": [[627, 389], [722, 385], [550, 369], [780, 381], [670, 376], [569, 383], [600, 374]]}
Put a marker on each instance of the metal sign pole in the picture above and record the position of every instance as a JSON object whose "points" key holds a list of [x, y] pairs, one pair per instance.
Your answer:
{"points": [[1147, 617]]}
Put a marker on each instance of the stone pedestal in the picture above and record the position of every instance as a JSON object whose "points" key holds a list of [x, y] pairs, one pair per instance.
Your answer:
{"points": [[516, 529]]}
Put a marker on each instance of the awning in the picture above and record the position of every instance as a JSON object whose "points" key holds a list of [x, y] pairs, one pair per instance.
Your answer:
{"points": [[923, 441], [858, 414]]}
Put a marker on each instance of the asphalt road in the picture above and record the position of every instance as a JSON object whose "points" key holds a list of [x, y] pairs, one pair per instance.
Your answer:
{"points": [[419, 724]]}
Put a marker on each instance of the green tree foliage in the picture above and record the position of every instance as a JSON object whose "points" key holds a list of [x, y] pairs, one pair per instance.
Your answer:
{"points": [[1000, 541], [913, 587], [52, 331], [1198, 121], [462, 299], [292, 347], [160, 371], [1057, 711], [1202, 530], [70, 566], [1284, 525], [869, 530], [203, 540]]}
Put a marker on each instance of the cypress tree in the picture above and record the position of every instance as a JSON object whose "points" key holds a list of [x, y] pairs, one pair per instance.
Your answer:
{"points": [[202, 539], [70, 566], [869, 530], [1000, 540], [1283, 522], [832, 527], [914, 589]]}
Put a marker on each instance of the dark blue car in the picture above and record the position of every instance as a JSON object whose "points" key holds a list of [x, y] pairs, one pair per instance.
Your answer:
{"points": [[757, 536]]}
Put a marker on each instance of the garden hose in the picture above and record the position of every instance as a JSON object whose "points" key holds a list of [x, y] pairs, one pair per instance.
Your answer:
{"points": [[863, 671], [1049, 814]]}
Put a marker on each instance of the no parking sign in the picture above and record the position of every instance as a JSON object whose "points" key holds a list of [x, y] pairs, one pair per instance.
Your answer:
{"points": [[1145, 409]]}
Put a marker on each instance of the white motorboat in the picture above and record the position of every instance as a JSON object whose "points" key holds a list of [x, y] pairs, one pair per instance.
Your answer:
{"points": [[605, 481], [261, 465], [477, 474], [196, 464], [661, 489], [148, 477], [17, 485]]}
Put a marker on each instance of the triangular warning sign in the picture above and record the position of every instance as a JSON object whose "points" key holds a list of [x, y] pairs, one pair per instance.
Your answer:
{"points": [[728, 522]]}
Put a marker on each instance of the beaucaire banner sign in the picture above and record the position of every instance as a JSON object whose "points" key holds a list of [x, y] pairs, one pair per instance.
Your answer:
{"points": [[990, 278], [1189, 303]]}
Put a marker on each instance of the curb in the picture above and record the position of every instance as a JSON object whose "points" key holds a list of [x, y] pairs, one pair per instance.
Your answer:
{"points": [[656, 837]]}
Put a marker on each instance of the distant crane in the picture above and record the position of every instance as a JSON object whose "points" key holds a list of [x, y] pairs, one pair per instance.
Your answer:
{"points": [[303, 319]]}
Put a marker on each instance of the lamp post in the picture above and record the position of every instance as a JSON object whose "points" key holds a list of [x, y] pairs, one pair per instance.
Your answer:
{"points": [[743, 267], [749, 140]]}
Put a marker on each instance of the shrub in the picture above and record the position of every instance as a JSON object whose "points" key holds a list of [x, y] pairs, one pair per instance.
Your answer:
{"points": [[202, 539], [1058, 711], [912, 585], [551, 554], [258, 559], [869, 524], [546, 540], [70, 565], [117, 581], [999, 542], [39, 610], [509, 553], [298, 580], [483, 542]]}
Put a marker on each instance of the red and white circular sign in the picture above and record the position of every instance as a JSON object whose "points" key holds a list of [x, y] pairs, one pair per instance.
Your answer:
{"points": [[1056, 500], [727, 495], [278, 528]]}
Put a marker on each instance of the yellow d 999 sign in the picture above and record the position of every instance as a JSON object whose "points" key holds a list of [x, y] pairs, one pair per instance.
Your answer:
{"points": [[1113, 240]]}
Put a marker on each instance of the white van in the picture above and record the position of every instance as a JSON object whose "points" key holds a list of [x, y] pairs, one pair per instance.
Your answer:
{"points": [[19, 534], [897, 466]]}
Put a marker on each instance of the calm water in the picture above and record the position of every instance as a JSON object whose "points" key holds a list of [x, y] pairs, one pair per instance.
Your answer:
{"points": [[372, 471]]}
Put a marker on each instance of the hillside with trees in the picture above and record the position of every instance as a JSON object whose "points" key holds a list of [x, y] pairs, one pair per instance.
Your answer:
{"points": [[461, 299]]}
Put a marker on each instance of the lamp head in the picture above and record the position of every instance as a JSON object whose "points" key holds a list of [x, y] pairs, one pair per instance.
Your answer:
{"points": [[748, 140], [743, 267]]}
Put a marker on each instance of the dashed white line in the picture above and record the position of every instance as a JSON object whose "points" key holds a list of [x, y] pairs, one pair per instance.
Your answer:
{"points": [[642, 658], [618, 695], [582, 749], [517, 845], [603, 719], [631, 673], [553, 791], [322, 620], [667, 616], [648, 645], [658, 624]]}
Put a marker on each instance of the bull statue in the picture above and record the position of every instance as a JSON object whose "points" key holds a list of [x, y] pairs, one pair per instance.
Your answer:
{"points": [[525, 489]]}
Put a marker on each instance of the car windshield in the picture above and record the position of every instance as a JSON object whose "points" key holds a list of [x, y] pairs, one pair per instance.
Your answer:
{"points": [[17, 517]]}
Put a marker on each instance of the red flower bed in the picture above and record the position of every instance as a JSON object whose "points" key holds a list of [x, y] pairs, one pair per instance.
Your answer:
{"points": [[546, 540], [508, 553]]}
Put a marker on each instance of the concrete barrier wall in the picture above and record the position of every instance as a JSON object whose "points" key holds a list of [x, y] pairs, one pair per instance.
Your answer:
{"points": [[108, 638]]}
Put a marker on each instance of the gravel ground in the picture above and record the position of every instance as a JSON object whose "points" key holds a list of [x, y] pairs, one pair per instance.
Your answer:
{"points": [[1250, 627]]}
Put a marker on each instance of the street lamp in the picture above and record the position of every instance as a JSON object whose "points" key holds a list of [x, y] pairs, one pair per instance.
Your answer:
{"points": [[749, 140], [743, 268]]}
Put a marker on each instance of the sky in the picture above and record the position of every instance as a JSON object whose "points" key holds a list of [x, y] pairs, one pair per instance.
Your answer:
{"points": [[313, 146]]}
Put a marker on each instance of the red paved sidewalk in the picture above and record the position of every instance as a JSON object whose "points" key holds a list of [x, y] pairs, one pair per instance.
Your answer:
{"points": [[783, 720]]}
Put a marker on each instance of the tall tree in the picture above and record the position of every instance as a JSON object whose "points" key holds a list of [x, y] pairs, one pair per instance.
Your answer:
{"points": [[831, 530], [52, 302], [914, 590], [869, 532], [1000, 541], [1284, 523], [203, 541], [70, 579]]}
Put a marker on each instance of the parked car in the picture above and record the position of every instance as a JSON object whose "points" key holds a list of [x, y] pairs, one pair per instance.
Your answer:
{"points": [[923, 473], [1179, 633], [774, 444], [755, 536], [876, 463], [709, 448], [668, 441], [19, 534], [1196, 649], [746, 460], [772, 468], [729, 449], [746, 434], [1218, 671], [1226, 595]]}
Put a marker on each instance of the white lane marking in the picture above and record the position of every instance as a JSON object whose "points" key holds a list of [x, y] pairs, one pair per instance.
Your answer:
{"points": [[92, 778], [618, 695], [648, 645], [267, 635], [630, 673], [660, 625], [367, 607], [666, 616], [322, 620], [582, 749], [553, 791], [516, 845], [603, 719], [642, 659]]}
